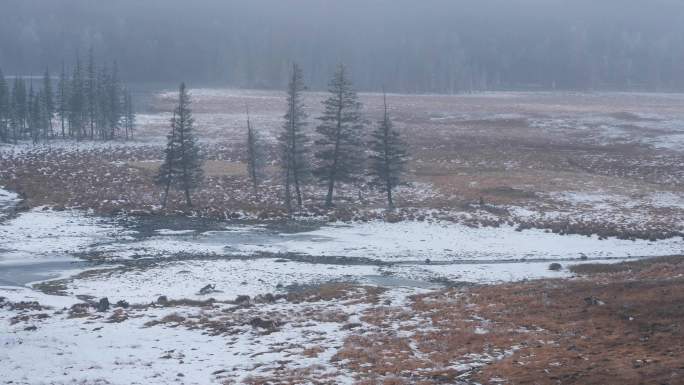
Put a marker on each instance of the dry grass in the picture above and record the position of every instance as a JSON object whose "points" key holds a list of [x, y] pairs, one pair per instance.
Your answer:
{"points": [[211, 168], [611, 328]]}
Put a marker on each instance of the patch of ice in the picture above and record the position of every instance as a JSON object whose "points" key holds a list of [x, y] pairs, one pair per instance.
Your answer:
{"points": [[46, 235]]}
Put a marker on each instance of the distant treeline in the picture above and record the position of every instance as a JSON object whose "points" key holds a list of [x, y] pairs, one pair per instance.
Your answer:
{"points": [[87, 102], [445, 46]]}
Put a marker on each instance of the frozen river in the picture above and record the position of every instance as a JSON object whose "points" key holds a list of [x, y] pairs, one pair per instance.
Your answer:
{"points": [[45, 244]]}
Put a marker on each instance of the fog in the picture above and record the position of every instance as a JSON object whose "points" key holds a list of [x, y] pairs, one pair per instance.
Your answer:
{"points": [[443, 46]]}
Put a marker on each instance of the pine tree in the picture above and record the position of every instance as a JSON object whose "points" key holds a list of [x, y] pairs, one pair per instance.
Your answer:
{"points": [[4, 109], [90, 91], [129, 114], [388, 156], [63, 99], [341, 132], [255, 158], [114, 108], [48, 104], [19, 107], [77, 111], [182, 167], [101, 100], [293, 141], [34, 112]]}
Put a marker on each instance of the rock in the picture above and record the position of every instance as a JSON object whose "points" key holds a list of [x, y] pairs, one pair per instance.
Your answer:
{"points": [[555, 266], [31, 328], [79, 310], [207, 289], [122, 304], [278, 297], [593, 301], [103, 305], [265, 298], [259, 323], [162, 300], [241, 299], [352, 325], [118, 316]]}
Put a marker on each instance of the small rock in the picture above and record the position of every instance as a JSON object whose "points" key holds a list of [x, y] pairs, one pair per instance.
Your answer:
{"points": [[103, 305], [263, 323], [162, 300], [265, 298], [555, 266], [207, 289], [122, 304], [350, 326], [240, 299], [593, 301], [278, 297]]}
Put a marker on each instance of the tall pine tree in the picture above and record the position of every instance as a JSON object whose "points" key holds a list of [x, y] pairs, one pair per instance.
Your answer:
{"points": [[255, 156], [341, 135], [182, 166], [19, 107], [4, 109], [129, 114], [77, 112], [388, 156], [63, 99], [293, 141], [48, 104]]}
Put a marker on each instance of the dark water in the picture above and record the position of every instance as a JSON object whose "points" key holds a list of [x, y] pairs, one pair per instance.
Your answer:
{"points": [[24, 274]]}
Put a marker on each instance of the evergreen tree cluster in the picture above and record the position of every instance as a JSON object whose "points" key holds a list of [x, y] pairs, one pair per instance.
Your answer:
{"points": [[342, 151], [88, 102]]}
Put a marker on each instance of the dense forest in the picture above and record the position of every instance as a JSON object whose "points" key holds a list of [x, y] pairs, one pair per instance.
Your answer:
{"points": [[405, 45], [88, 101]]}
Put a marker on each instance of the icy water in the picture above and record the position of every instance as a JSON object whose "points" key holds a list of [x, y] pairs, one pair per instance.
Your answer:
{"points": [[21, 275], [43, 244]]}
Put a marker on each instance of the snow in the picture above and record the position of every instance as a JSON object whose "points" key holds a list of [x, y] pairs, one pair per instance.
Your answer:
{"points": [[184, 279], [92, 350], [8, 200], [24, 294], [441, 241], [47, 235]]}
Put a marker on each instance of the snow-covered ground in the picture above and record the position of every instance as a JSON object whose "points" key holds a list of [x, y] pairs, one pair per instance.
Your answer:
{"points": [[152, 346], [7, 201], [44, 235], [456, 242]]}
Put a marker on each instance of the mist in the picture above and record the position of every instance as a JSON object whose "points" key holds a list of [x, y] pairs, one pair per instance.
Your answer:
{"points": [[429, 46]]}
